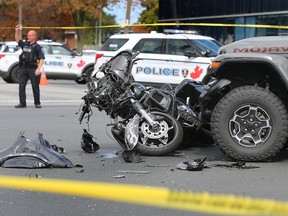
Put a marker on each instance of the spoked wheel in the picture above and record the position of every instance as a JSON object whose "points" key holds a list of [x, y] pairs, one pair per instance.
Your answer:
{"points": [[163, 139], [250, 124]]}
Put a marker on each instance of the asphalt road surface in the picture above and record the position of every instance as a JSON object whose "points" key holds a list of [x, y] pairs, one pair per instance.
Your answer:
{"points": [[59, 124]]}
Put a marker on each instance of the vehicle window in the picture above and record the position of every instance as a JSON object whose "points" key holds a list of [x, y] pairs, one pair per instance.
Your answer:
{"points": [[149, 45], [2, 46], [89, 52], [207, 45], [59, 50], [177, 46], [11, 48], [46, 49], [113, 44]]}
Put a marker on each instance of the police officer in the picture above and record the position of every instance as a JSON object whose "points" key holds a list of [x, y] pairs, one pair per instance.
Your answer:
{"points": [[31, 61]]}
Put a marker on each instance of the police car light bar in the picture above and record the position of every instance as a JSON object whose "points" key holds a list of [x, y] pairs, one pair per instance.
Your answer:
{"points": [[47, 40], [176, 31]]}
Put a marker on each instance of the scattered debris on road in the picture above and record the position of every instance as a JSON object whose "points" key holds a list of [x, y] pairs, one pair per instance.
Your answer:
{"points": [[200, 164], [119, 176], [33, 154], [195, 165], [134, 171], [132, 156], [157, 165], [237, 165], [87, 142]]}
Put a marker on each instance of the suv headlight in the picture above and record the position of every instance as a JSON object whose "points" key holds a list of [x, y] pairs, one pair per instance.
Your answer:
{"points": [[215, 65]]}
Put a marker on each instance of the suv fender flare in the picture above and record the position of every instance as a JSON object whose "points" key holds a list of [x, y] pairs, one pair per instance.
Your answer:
{"points": [[208, 95]]}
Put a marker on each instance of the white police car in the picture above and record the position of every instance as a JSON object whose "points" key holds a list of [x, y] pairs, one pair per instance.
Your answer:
{"points": [[166, 57], [60, 62]]}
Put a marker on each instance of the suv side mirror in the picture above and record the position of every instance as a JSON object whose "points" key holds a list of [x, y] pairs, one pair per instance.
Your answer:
{"points": [[190, 53], [206, 53]]}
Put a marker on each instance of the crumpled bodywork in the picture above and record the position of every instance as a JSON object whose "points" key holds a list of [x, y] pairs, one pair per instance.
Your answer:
{"points": [[32, 154]]}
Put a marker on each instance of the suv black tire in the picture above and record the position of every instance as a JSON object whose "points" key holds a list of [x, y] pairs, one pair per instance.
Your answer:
{"points": [[250, 124]]}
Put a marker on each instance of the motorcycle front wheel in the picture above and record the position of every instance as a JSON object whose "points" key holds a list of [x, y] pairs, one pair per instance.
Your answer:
{"points": [[161, 140]]}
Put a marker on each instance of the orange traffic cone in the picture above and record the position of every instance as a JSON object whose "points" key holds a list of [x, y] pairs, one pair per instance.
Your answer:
{"points": [[43, 78]]}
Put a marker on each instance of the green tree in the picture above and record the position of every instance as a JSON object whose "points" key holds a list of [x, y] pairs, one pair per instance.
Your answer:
{"points": [[56, 13], [83, 13], [150, 14], [93, 34]]}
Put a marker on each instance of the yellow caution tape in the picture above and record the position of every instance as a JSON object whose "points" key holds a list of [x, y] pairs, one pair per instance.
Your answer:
{"points": [[154, 24], [151, 196]]}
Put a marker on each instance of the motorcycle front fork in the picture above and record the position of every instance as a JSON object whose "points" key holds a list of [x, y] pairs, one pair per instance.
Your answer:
{"points": [[142, 112], [127, 134]]}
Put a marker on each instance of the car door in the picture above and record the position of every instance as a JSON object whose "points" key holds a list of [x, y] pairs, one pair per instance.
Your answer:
{"points": [[187, 59], [164, 61], [59, 60], [149, 68]]}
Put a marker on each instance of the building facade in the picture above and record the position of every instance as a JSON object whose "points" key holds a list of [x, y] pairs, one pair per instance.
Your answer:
{"points": [[259, 12]]}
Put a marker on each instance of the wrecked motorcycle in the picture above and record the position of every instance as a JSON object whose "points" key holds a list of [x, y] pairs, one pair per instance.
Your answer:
{"points": [[143, 116]]}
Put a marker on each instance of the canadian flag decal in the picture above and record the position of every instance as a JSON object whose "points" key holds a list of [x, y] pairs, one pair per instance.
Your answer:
{"points": [[196, 73], [81, 63]]}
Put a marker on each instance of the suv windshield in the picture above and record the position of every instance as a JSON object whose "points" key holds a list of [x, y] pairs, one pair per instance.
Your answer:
{"points": [[113, 44], [211, 46]]}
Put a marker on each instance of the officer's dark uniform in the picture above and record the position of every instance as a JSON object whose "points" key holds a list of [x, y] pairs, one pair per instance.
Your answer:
{"points": [[31, 53]]}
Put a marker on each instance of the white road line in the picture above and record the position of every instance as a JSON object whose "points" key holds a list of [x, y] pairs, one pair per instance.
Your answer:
{"points": [[43, 102]]}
